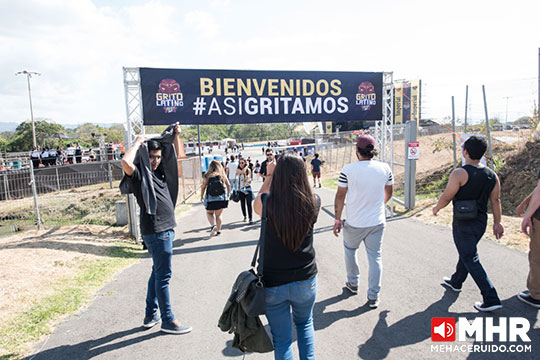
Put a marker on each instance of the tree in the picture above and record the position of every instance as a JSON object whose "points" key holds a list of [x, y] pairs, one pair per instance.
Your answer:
{"points": [[23, 134], [524, 120]]}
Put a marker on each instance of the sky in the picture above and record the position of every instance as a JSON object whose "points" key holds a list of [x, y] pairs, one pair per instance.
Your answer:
{"points": [[80, 46]]}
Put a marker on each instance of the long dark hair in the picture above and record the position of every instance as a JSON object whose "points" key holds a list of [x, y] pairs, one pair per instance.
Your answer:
{"points": [[291, 206]]}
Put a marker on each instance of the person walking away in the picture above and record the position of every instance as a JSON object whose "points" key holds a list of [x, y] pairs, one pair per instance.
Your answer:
{"points": [[231, 173], [368, 185], [478, 184], [290, 269], [78, 153], [214, 196], [316, 170], [151, 173], [530, 225], [35, 157], [243, 174], [257, 168], [269, 158]]}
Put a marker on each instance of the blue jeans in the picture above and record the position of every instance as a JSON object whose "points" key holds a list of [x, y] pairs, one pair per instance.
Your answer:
{"points": [[160, 247], [466, 237], [300, 296]]}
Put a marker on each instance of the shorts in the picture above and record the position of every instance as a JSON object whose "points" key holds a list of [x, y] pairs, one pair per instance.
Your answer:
{"points": [[316, 174], [217, 205]]}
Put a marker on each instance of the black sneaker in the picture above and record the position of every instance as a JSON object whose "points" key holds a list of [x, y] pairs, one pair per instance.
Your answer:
{"points": [[352, 288], [172, 328], [373, 303], [218, 233], [447, 283], [149, 322], [480, 306], [319, 185], [528, 299]]}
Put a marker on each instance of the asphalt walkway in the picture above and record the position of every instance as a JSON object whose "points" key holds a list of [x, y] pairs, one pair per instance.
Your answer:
{"points": [[416, 256]]}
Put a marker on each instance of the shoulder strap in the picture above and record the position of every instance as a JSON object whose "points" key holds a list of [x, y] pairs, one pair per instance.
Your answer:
{"points": [[260, 245]]}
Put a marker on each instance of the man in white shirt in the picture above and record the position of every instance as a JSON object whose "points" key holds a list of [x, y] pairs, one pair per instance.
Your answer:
{"points": [[368, 185], [232, 166]]}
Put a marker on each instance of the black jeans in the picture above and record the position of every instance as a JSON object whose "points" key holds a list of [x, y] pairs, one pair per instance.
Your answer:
{"points": [[466, 237], [246, 200]]}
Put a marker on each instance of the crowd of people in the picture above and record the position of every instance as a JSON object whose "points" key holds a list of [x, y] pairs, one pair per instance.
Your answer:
{"points": [[292, 208], [72, 154]]}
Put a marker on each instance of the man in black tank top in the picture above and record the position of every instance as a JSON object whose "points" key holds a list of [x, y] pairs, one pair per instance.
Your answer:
{"points": [[530, 210], [473, 182]]}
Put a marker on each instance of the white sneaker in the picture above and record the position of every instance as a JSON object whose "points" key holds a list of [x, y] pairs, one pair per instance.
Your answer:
{"points": [[213, 232]]}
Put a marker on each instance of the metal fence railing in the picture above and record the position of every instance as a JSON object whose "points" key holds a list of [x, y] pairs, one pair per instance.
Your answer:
{"points": [[16, 184], [190, 177]]}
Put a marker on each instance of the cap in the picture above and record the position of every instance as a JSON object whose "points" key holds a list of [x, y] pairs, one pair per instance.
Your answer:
{"points": [[364, 140]]}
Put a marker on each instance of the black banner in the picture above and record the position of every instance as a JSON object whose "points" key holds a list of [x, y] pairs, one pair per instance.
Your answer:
{"points": [[241, 96]]}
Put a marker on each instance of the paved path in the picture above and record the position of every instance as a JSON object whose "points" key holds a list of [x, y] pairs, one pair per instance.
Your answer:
{"points": [[416, 256]]}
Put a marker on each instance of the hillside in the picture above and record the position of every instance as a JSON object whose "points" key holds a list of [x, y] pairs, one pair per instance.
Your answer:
{"points": [[518, 175]]}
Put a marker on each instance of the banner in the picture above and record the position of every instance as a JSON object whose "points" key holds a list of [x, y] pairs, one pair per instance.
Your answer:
{"points": [[241, 96], [415, 100], [398, 103], [407, 101]]}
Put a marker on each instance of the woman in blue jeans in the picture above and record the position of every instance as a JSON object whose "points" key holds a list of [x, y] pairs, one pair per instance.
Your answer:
{"points": [[290, 271]]}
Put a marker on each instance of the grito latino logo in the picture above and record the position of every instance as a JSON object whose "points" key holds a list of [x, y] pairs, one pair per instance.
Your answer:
{"points": [[366, 96], [169, 96]]}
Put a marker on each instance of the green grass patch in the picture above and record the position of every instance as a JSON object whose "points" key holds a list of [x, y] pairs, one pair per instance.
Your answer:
{"points": [[330, 183], [69, 295]]}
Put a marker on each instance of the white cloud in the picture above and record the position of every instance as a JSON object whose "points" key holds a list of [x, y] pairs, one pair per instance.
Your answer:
{"points": [[203, 22]]}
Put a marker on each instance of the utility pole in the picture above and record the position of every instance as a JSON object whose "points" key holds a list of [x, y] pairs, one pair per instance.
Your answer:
{"points": [[28, 76], [466, 106], [506, 118]]}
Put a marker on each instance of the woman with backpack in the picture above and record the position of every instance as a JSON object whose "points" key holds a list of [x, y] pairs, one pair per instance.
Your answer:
{"points": [[289, 270], [243, 174], [214, 195]]}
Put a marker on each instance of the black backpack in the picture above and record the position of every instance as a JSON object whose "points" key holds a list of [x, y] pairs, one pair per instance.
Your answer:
{"points": [[215, 186]]}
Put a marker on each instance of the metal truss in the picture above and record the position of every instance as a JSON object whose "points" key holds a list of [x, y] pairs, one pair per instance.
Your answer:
{"points": [[134, 127], [132, 88], [384, 134]]}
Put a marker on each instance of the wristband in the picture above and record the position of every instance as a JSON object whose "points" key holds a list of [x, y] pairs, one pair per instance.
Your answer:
{"points": [[337, 222]]}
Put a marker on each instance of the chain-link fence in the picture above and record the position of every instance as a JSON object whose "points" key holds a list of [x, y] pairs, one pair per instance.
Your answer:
{"points": [[335, 150], [190, 177]]}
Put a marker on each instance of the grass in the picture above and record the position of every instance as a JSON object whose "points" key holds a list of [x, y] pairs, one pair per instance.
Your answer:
{"points": [[69, 295], [330, 183]]}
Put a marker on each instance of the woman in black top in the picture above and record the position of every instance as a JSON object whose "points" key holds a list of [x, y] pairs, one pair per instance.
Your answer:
{"points": [[214, 190], [290, 271], [243, 174]]}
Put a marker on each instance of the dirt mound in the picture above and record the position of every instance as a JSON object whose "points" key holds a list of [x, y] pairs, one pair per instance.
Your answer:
{"points": [[518, 176]]}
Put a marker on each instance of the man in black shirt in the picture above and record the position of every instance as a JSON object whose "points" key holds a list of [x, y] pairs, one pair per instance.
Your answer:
{"points": [[476, 183], [269, 158], [157, 226]]}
